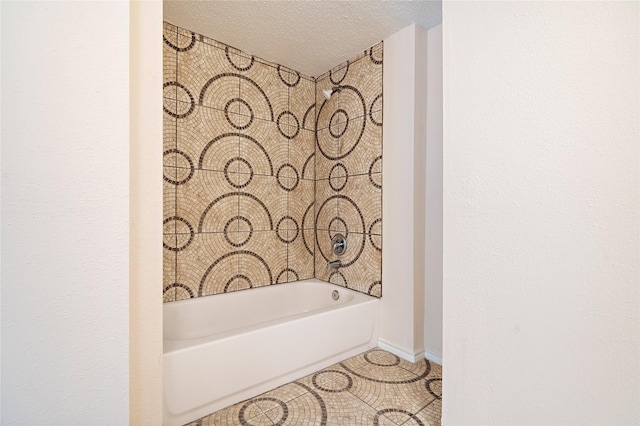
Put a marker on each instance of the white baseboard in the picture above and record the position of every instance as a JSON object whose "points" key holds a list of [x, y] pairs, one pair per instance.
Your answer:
{"points": [[437, 358], [402, 353], [408, 356]]}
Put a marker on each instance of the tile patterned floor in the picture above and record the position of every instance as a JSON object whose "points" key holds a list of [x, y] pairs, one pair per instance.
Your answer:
{"points": [[373, 388]]}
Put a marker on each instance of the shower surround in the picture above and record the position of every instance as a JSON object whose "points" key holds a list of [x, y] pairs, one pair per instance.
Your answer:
{"points": [[260, 170]]}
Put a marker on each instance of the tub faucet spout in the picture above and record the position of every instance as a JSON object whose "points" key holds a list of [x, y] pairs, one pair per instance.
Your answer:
{"points": [[334, 264]]}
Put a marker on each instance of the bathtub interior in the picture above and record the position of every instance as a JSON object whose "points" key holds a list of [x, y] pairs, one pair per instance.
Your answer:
{"points": [[217, 315]]}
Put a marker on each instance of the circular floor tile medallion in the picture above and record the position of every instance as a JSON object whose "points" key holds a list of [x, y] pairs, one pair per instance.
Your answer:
{"points": [[339, 382], [248, 405], [178, 109], [410, 377], [381, 359], [238, 172], [238, 113], [403, 417], [434, 386]]}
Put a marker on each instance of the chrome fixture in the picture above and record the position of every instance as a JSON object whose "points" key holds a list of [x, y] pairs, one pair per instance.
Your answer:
{"points": [[335, 294], [329, 92], [335, 264], [339, 244]]}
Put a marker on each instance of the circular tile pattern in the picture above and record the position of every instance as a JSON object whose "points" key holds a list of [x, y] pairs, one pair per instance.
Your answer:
{"points": [[238, 231], [340, 381], [338, 177], [375, 234], [288, 124], [182, 291], [338, 123], [238, 282], [182, 228], [284, 274], [174, 108], [384, 359], [375, 56], [289, 77], [434, 386], [338, 225], [410, 417], [238, 113], [185, 46], [338, 76], [375, 289], [283, 415], [183, 166], [238, 172], [375, 110], [354, 106], [288, 177], [375, 172], [239, 62], [287, 229]]}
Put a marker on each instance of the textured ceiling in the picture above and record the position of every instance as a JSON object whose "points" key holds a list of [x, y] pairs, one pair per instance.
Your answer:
{"points": [[308, 36]]}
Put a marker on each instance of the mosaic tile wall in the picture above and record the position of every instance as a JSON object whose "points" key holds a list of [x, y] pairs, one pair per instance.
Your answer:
{"points": [[349, 171], [239, 169]]}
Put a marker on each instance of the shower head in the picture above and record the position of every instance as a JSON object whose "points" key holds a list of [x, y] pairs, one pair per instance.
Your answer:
{"points": [[329, 92]]}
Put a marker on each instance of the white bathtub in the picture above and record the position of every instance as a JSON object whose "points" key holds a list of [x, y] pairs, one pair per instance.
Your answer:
{"points": [[219, 350]]}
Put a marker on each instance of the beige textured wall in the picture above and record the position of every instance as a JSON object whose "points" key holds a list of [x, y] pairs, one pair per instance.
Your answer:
{"points": [[240, 177]]}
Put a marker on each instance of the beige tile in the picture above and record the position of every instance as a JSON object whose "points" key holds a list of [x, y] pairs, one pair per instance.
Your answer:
{"points": [[208, 201], [245, 411], [168, 205], [207, 137], [207, 265], [362, 270], [169, 57], [362, 202], [169, 134], [207, 74], [366, 77], [327, 217], [168, 271], [302, 154], [390, 387], [264, 89], [264, 202], [263, 258], [302, 100], [300, 255], [300, 203], [326, 153], [264, 147], [361, 154], [431, 414]]}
